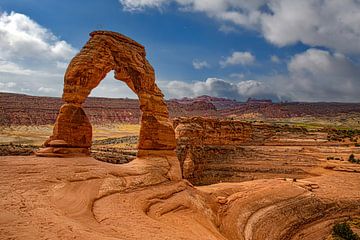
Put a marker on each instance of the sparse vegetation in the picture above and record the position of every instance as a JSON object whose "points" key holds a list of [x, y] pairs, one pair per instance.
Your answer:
{"points": [[342, 134], [17, 149], [342, 231], [335, 158], [352, 159]]}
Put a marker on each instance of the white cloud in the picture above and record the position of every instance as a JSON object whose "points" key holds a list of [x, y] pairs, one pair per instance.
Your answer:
{"points": [[197, 64], [219, 88], [10, 67], [31, 56], [227, 29], [275, 59], [237, 75], [238, 58], [46, 90], [7, 85], [33, 60], [318, 75], [314, 75], [23, 40], [113, 88], [332, 23], [138, 5]]}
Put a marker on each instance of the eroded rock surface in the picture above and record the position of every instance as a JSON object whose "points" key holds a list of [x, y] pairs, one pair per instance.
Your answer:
{"points": [[216, 150], [106, 51], [82, 198]]}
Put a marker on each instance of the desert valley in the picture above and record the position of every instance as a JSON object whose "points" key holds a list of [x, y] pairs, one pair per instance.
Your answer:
{"points": [[267, 147], [253, 170]]}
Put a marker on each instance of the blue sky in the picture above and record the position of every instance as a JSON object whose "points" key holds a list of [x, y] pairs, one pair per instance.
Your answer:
{"points": [[281, 49]]}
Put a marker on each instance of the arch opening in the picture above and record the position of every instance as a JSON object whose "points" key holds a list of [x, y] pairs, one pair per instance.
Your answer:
{"points": [[115, 122], [106, 51]]}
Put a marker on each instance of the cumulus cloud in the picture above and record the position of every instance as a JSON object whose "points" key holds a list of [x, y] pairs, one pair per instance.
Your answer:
{"points": [[318, 75], [238, 58], [332, 24], [31, 56], [227, 29], [219, 88], [29, 45], [237, 75], [7, 85], [46, 90], [138, 5], [197, 64], [314, 75], [113, 88], [33, 60]]}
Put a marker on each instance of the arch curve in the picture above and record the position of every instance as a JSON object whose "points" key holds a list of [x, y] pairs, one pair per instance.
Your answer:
{"points": [[106, 51]]}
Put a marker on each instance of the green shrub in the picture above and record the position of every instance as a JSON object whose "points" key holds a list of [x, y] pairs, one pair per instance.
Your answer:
{"points": [[343, 231], [352, 159]]}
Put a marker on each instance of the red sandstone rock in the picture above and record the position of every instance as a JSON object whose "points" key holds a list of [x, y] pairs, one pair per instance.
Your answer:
{"points": [[106, 51], [212, 150], [72, 127]]}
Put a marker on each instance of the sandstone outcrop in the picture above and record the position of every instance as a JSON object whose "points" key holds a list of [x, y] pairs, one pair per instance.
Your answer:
{"points": [[82, 198], [213, 150], [106, 51]]}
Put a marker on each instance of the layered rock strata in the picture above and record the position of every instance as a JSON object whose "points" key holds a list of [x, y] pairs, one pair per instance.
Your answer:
{"points": [[216, 150]]}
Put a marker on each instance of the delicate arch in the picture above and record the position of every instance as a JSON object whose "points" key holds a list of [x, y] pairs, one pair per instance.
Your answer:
{"points": [[106, 51]]}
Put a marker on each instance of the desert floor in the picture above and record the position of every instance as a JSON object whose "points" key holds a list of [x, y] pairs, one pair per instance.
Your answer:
{"points": [[82, 198]]}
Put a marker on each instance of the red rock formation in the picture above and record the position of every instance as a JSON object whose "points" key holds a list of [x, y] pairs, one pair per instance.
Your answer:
{"points": [[106, 51], [19, 109], [212, 150]]}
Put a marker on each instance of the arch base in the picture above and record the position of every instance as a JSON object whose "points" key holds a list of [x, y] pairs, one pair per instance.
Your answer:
{"points": [[72, 134]]}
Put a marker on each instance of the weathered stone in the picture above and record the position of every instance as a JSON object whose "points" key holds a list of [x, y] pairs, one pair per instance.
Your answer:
{"points": [[58, 143], [106, 51], [72, 127]]}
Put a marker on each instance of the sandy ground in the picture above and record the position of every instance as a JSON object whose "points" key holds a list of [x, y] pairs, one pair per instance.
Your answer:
{"points": [[37, 135], [81, 198]]}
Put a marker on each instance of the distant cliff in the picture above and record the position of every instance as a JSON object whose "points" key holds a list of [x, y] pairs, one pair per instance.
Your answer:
{"points": [[19, 109], [210, 150]]}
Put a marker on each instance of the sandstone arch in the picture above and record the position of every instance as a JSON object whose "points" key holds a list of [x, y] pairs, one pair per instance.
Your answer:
{"points": [[106, 51]]}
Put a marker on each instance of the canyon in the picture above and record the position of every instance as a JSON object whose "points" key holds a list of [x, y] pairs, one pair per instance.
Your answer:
{"points": [[217, 150], [209, 177]]}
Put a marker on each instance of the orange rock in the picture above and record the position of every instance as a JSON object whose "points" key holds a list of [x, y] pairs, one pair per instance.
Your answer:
{"points": [[106, 51], [72, 128]]}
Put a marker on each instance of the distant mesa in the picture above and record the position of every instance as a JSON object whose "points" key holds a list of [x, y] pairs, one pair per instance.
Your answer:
{"points": [[106, 51], [20, 109]]}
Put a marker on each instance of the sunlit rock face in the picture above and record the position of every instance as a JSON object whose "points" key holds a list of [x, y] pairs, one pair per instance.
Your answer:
{"points": [[106, 51]]}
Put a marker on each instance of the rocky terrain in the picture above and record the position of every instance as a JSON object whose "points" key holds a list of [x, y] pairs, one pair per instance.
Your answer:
{"points": [[81, 198], [272, 181], [214, 150], [18, 109]]}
